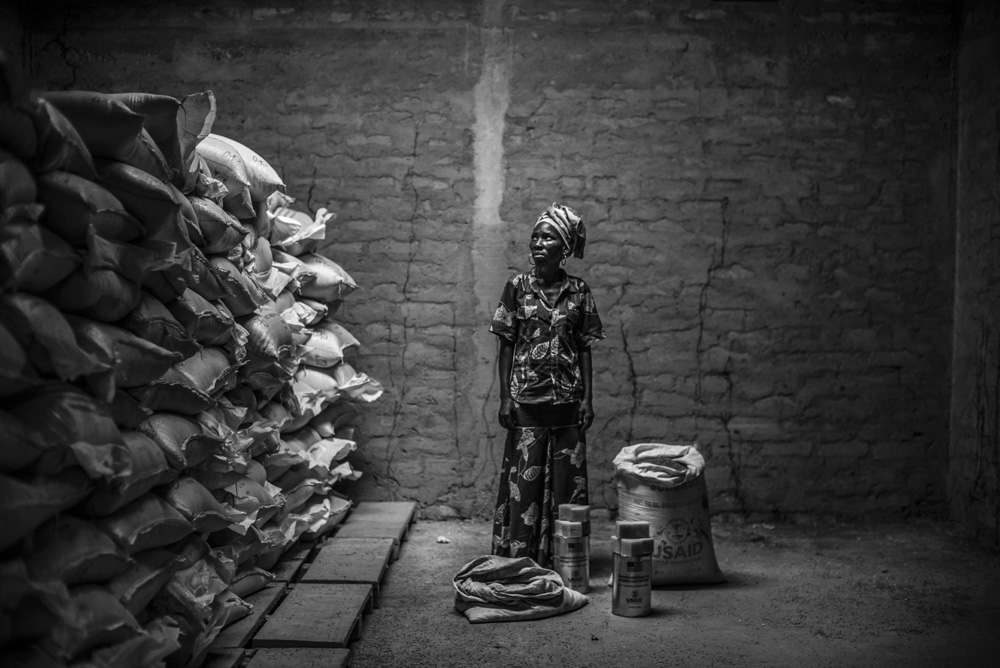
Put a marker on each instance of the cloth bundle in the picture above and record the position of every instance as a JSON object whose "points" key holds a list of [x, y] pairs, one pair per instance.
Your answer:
{"points": [[507, 589]]}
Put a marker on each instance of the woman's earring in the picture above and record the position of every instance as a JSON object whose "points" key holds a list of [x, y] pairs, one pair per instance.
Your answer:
{"points": [[564, 258]]}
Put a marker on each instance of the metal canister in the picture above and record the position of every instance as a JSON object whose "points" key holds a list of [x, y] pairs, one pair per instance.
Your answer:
{"points": [[632, 570], [571, 546]]}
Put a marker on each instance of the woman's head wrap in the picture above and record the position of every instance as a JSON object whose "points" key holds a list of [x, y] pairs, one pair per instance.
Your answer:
{"points": [[568, 225]]}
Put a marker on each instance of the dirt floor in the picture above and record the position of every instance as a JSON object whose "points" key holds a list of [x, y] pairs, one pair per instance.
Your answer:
{"points": [[914, 596]]}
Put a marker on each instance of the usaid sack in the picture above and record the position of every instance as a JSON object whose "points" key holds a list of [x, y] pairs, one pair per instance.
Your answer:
{"points": [[664, 485]]}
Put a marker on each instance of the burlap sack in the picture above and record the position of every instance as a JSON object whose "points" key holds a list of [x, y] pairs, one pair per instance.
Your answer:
{"points": [[665, 486]]}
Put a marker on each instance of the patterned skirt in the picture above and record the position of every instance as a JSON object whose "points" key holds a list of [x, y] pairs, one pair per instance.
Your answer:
{"points": [[544, 465]]}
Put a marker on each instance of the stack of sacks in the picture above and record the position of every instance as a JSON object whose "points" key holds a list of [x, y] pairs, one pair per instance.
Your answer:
{"points": [[154, 381]]}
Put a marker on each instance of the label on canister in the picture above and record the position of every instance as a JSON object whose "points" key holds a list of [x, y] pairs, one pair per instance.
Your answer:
{"points": [[571, 558], [631, 585]]}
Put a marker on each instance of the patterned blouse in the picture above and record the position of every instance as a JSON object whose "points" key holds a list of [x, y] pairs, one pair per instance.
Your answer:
{"points": [[547, 340]]}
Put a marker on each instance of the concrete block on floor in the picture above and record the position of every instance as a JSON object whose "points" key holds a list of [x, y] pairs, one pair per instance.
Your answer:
{"points": [[380, 519], [317, 615], [351, 560], [301, 657]]}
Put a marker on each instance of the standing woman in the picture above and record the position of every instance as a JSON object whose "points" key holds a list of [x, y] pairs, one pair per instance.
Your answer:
{"points": [[546, 322]]}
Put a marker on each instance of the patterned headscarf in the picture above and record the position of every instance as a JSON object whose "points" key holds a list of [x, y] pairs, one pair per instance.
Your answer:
{"points": [[568, 225]]}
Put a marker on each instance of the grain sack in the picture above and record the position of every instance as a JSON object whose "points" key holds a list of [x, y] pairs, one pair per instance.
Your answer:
{"points": [[22, 445], [147, 522], [17, 185], [58, 144], [62, 415], [146, 575], [259, 502], [209, 371], [260, 177], [263, 258], [194, 122], [47, 337], [26, 502], [111, 130], [331, 283], [159, 119], [321, 349], [38, 257], [74, 204], [93, 618], [17, 373], [105, 125], [295, 232], [665, 486], [326, 344], [282, 460], [195, 502], [135, 361], [28, 607], [356, 384], [145, 649], [206, 279], [217, 472], [181, 438], [269, 336], [202, 319], [303, 313], [148, 469], [160, 207], [220, 231], [243, 293], [126, 411], [73, 551], [227, 165], [229, 608], [332, 511], [295, 267], [153, 321], [17, 130], [332, 420], [299, 494], [250, 580], [131, 261], [172, 397], [101, 294]]}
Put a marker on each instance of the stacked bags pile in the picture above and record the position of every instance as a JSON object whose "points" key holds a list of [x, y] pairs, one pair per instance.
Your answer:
{"points": [[175, 403]]}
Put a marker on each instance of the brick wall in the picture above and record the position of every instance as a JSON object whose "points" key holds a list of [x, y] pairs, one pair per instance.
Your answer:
{"points": [[974, 489], [766, 187]]}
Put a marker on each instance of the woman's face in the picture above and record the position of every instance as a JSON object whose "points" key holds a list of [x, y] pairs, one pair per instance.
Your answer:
{"points": [[546, 246]]}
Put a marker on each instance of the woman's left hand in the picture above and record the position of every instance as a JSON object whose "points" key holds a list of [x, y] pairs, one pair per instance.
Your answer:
{"points": [[586, 415]]}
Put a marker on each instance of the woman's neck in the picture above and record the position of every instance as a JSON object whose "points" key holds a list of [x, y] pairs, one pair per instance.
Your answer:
{"points": [[548, 273]]}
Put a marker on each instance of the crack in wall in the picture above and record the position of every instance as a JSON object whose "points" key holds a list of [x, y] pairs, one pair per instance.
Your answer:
{"points": [[718, 261], [403, 384], [59, 40], [734, 458]]}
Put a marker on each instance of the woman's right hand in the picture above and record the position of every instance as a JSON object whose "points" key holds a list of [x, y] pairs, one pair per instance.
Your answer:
{"points": [[506, 416]]}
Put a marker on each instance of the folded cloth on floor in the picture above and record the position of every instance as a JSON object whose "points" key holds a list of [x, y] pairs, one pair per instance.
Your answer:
{"points": [[508, 589]]}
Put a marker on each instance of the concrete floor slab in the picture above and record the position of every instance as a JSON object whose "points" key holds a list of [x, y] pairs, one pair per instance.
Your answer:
{"points": [[913, 595]]}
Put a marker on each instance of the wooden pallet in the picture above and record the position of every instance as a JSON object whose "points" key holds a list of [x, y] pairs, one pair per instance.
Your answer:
{"points": [[351, 561], [317, 615], [292, 657], [380, 519]]}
